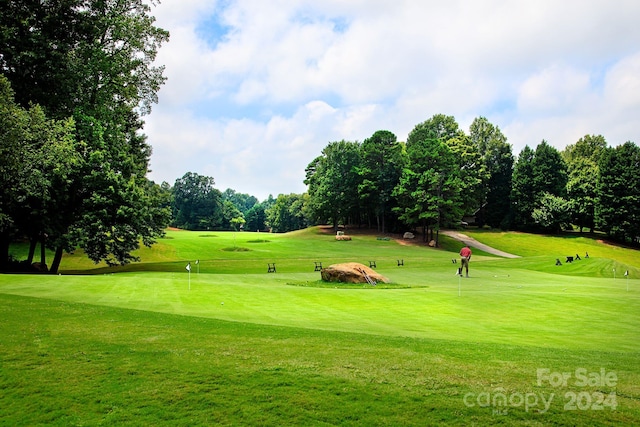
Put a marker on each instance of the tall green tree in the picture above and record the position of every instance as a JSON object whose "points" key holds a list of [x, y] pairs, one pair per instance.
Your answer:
{"points": [[333, 183], [382, 163], [549, 171], [13, 134], [53, 160], [497, 158], [618, 205], [473, 173], [582, 160], [536, 174], [256, 218], [523, 198], [429, 190], [93, 60], [37, 157], [197, 204]]}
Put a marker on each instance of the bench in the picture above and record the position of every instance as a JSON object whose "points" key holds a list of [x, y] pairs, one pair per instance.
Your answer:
{"points": [[400, 262], [272, 267], [372, 264], [318, 266], [454, 261], [569, 259]]}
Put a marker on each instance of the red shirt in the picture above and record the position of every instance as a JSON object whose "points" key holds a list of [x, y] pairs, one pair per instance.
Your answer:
{"points": [[465, 252]]}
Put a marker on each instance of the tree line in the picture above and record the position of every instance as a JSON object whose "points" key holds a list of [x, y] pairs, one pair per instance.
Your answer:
{"points": [[433, 180], [196, 204], [77, 78], [441, 177]]}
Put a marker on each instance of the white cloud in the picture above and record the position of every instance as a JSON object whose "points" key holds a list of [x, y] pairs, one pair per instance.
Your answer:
{"points": [[253, 101], [554, 91], [622, 83]]}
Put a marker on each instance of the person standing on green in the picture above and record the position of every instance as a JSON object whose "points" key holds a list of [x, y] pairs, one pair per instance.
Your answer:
{"points": [[465, 256]]}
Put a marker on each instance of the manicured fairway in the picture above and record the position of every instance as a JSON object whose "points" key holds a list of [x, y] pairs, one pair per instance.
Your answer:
{"points": [[251, 347]]}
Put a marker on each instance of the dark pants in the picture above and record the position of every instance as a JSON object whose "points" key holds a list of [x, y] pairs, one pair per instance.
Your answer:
{"points": [[465, 264]]}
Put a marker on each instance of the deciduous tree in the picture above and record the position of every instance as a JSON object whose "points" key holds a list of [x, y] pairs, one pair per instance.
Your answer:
{"points": [[618, 204], [382, 162], [549, 171], [522, 192], [429, 190], [38, 157], [256, 218], [92, 60], [497, 158], [333, 182], [582, 160], [197, 203], [537, 173]]}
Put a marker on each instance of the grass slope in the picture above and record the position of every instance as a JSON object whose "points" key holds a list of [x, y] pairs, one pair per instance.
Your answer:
{"points": [[236, 345]]}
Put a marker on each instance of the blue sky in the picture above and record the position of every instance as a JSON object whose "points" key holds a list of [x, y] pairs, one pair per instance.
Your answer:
{"points": [[257, 88]]}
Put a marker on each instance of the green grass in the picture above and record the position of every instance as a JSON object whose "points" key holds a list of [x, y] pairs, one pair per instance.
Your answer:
{"points": [[143, 345], [569, 244]]}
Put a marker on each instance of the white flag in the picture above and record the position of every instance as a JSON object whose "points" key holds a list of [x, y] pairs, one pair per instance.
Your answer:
{"points": [[626, 273], [188, 267], [197, 261]]}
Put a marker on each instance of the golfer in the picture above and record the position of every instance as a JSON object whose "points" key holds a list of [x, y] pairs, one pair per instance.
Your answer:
{"points": [[465, 256]]}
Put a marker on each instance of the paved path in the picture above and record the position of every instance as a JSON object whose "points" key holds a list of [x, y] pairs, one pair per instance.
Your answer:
{"points": [[475, 244]]}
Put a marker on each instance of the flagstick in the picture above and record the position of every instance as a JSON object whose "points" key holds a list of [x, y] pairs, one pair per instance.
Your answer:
{"points": [[188, 267], [459, 275], [626, 273]]}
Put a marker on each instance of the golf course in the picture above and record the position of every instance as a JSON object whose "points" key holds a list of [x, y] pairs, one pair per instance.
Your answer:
{"points": [[521, 341]]}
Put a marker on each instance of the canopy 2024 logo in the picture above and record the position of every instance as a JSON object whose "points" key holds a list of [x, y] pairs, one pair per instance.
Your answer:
{"points": [[500, 401]]}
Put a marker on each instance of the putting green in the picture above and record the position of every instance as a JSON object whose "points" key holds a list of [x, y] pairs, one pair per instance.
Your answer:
{"points": [[504, 300]]}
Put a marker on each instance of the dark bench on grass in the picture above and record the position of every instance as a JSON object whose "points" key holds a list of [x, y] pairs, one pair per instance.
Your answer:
{"points": [[400, 262], [318, 266], [272, 267], [372, 264]]}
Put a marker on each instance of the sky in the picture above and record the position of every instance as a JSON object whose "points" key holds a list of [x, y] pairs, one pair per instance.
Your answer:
{"points": [[257, 88]]}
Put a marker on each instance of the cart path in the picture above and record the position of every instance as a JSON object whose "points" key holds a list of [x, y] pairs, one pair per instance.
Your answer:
{"points": [[475, 244]]}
